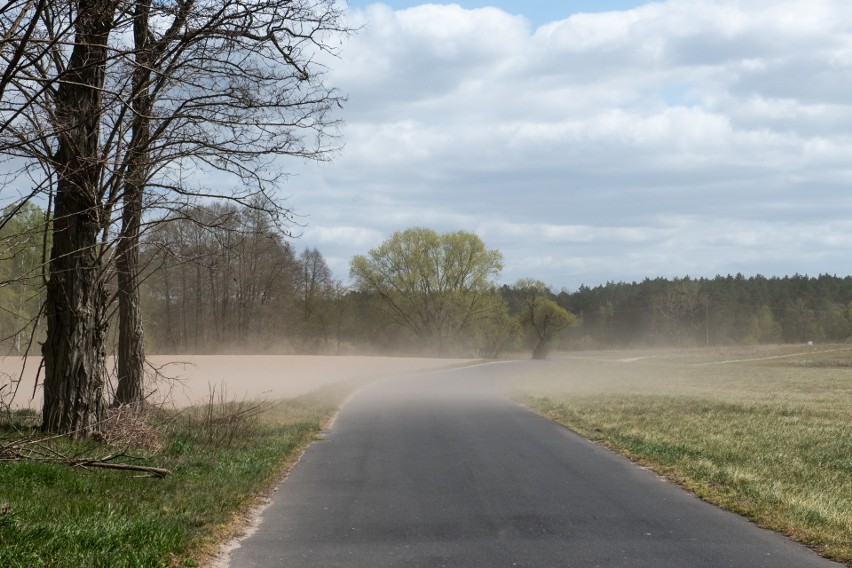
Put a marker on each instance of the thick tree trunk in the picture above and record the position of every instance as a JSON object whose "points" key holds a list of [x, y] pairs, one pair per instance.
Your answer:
{"points": [[74, 348], [76, 301]]}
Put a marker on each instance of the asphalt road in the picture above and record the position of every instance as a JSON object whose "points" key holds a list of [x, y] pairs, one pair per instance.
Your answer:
{"points": [[440, 470]]}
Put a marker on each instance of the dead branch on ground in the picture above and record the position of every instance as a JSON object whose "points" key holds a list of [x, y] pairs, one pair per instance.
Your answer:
{"points": [[37, 450]]}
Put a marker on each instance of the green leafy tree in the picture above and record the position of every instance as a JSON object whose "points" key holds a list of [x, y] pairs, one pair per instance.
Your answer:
{"points": [[22, 248], [497, 330], [764, 328], [543, 318], [437, 286]]}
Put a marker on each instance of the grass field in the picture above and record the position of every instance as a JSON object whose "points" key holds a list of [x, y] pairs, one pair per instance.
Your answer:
{"points": [[222, 458], [765, 432]]}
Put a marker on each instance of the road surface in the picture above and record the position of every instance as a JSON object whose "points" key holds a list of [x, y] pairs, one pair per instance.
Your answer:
{"points": [[439, 470]]}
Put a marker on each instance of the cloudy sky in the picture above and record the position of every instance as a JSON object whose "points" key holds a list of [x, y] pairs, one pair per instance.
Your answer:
{"points": [[596, 140]]}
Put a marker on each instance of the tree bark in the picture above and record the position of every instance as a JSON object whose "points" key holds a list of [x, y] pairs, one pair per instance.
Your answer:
{"points": [[131, 347], [75, 306]]}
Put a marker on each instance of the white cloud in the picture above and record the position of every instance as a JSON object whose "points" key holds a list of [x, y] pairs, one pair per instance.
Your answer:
{"points": [[569, 234], [576, 147], [343, 236]]}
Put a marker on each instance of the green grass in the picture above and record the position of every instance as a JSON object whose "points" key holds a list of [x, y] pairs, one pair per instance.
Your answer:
{"points": [[765, 432], [55, 516]]}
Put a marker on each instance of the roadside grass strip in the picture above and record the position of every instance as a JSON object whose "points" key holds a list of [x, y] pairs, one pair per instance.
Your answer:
{"points": [[769, 439], [223, 458]]}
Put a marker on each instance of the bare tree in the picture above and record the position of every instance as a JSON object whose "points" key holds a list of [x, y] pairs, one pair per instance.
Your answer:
{"points": [[137, 167], [237, 277], [76, 299], [105, 125], [315, 291], [261, 110]]}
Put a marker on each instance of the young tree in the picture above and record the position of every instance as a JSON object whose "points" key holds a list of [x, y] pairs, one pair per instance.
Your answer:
{"points": [[542, 316], [764, 328]]}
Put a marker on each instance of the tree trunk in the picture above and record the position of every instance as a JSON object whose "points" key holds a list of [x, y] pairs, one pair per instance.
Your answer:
{"points": [[184, 309], [540, 350], [167, 294], [76, 301], [131, 347], [198, 299]]}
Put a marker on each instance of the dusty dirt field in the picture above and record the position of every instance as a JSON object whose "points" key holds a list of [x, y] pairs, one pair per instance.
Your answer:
{"points": [[188, 379]]}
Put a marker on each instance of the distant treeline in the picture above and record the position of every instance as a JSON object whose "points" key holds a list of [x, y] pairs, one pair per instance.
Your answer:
{"points": [[226, 278], [718, 311]]}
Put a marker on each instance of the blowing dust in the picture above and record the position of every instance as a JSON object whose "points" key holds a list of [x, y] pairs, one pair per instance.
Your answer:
{"points": [[184, 380]]}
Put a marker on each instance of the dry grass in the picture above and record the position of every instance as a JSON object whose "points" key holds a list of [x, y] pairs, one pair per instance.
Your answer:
{"points": [[766, 431], [125, 428]]}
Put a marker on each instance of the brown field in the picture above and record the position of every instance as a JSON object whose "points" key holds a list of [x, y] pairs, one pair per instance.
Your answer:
{"points": [[182, 380]]}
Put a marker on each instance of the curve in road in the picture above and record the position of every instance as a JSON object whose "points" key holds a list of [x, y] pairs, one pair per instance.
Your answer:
{"points": [[440, 470]]}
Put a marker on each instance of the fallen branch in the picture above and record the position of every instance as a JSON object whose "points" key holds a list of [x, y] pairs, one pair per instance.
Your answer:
{"points": [[34, 450], [154, 471]]}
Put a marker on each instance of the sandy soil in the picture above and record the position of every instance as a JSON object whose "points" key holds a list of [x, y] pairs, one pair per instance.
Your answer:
{"points": [[188, 379]]}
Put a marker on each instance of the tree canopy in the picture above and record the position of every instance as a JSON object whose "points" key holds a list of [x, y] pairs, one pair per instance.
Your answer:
{"points": [[541, 315], [437, 286]]}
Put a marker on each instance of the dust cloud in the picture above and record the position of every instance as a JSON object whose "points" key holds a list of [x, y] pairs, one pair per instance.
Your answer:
{"points": [[183, 380]]}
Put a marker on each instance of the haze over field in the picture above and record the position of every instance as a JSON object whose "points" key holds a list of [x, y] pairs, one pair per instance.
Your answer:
{"points": [[248, 377], [595, 141]]}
